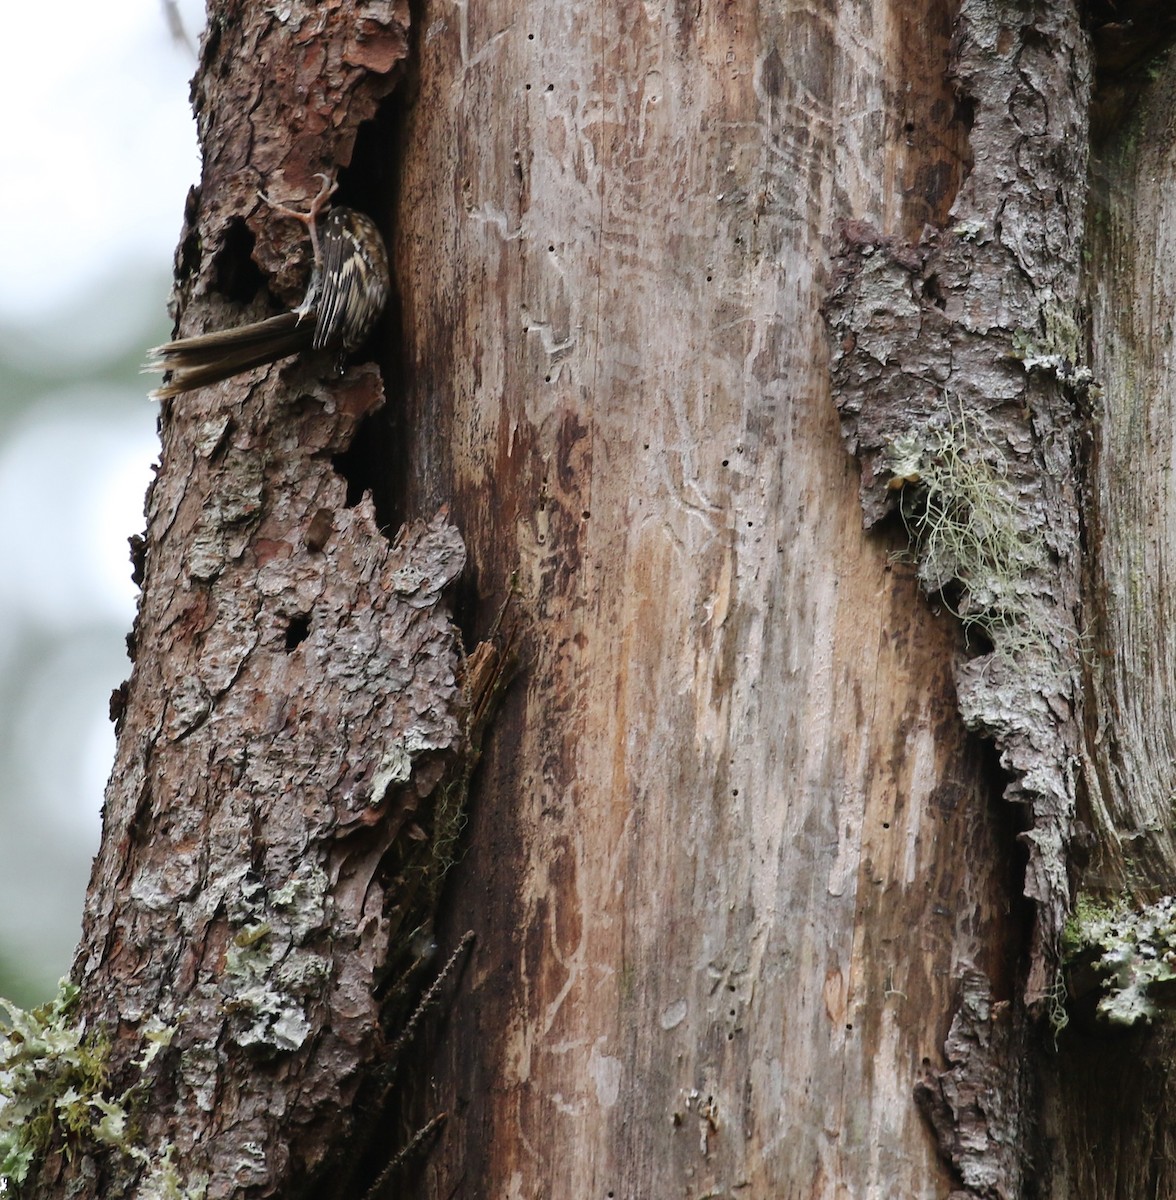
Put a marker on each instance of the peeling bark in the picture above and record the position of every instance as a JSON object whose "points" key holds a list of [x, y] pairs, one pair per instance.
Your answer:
{"points": [[969, 339], [980, 1106]]}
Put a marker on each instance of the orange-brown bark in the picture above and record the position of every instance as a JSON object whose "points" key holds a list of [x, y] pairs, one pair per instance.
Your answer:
{"points": [[295, 712]]}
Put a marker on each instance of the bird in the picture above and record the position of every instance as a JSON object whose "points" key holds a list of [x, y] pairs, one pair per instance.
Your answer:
{"points": [[349, 287]]}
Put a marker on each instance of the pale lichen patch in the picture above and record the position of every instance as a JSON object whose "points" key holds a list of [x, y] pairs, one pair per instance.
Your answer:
{"points": [[270, 978], [55, 1083], [1133, 951]]}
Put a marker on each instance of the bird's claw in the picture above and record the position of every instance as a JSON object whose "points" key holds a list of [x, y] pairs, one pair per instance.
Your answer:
{"points": [[314, 211]]}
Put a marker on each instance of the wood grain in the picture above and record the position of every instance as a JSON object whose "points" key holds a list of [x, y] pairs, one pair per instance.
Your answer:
{"points": [[731, 841]]}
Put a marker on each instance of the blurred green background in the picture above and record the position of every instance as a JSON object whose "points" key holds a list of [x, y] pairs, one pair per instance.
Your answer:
{"points": [[102, 138]]}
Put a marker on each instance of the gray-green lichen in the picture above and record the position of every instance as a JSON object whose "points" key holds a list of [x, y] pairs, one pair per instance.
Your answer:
{"points": [[1057, 348], [956, 368], [164, 1181], [396, 766], [1132, 950], [270, 977], [55, 1079], [966, 521]]}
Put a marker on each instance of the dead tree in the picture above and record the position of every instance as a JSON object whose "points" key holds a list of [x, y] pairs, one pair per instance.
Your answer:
{"points": [[809, 854]]}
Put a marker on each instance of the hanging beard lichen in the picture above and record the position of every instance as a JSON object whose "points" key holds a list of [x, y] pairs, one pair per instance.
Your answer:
{"points": [[968, 531]]}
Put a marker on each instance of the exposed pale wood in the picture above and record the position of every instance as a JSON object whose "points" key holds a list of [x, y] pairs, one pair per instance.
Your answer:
{"points": [[732, 843], [1133, 540], [1111, 1108], [969, 338]]}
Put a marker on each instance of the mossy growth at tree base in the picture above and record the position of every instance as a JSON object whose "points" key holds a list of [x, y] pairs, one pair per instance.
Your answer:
{"points": [[1132, 952], [55, 1079]]}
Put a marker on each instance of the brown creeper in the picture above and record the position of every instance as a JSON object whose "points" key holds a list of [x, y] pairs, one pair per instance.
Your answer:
{"points": [[348, 289]]}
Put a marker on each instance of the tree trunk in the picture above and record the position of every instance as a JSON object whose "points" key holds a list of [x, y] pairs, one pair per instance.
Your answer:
{"points": [[737, 783], [771, 860]]}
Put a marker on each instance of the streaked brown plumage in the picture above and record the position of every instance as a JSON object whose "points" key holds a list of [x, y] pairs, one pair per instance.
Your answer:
{"points": [[349, 287]]}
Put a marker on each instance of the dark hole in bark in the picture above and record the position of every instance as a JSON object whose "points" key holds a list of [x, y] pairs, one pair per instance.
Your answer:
{"points": [[212, 41], [297, 630], [190, 255], [1128, 33], [1011, 820], [1127, 36], [932, 292], [189, 258], [236, 274], [965, 112]]}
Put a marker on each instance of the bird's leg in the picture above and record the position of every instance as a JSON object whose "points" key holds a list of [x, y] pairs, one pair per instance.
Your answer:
{"points": [[311, 216]]}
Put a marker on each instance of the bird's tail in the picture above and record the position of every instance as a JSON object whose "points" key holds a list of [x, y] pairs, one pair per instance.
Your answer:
{"points": [[208, 358]]}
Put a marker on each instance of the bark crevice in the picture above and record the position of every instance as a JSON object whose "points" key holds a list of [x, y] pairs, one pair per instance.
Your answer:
{"points": [[956, 370], [959, 375]]}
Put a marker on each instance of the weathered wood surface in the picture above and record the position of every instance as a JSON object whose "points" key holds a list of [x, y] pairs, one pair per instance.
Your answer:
{"points": [[1114, 1108], [1132, 293], [958, 367], [732, 843]]}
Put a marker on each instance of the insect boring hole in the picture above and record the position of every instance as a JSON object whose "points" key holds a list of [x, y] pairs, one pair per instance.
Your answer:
{"points": [[297, 629]]}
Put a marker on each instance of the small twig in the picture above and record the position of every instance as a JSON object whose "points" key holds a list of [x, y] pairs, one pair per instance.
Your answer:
{"points": [[177, 29], [427, 1001], [413, 1145], [490, 669]]}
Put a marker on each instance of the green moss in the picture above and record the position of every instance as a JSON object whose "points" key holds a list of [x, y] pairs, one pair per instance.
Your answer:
{"points": [[1056, 1013], [1133, 951], [48, 1072], [1088, 914], [164, 1182]]}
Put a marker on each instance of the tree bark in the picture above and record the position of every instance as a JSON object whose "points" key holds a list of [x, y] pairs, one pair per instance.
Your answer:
{"points": [[295, 730], [772, 861], [1110, 1100]]}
